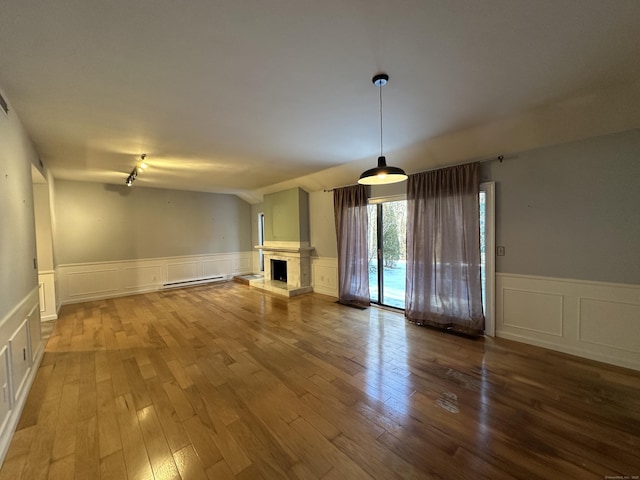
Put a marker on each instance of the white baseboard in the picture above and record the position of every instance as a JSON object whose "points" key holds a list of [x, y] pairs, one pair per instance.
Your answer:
{"points": [[595, 320]]}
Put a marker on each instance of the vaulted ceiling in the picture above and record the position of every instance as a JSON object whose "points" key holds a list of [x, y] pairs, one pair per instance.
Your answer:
{"points": [[233, 96]]}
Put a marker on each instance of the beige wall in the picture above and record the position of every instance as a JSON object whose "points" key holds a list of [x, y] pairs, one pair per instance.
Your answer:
{"points": [[44, 235], [322, 224]]}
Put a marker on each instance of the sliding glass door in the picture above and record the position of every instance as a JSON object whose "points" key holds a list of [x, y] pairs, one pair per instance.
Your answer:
{"points": [[487, 254], [387, 252]]}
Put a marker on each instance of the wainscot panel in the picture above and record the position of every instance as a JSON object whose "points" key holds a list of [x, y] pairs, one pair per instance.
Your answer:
{"points": [[19, 359], [5, 401], [183, 271], [595, 320], [47, 292], [136, 277], [92, 282], [610, 323], [35, 333], [243, 263], [116, 279], [217, 266], [535, 311], [324, 276]]}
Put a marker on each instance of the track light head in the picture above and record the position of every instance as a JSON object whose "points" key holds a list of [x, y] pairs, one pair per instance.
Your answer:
{"points": [[139, 167]]}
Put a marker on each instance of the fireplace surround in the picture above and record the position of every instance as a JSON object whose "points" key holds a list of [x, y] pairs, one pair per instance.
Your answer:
{"points": [[296, 259], [286, 243]]}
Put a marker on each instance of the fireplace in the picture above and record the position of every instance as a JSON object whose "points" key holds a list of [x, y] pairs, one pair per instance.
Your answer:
{"points": [[279, 270], [285, 244], [287, 269]]}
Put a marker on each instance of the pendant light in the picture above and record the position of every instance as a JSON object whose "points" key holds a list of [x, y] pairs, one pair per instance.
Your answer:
{"points": [[382, 174]]}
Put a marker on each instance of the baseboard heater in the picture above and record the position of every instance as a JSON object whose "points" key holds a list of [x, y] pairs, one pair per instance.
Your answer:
{"points": [[197, 281]]}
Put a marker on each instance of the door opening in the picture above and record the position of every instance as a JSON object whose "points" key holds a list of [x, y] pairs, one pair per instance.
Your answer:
{"points": [[387, 252], [487, 255], [261, 240]]}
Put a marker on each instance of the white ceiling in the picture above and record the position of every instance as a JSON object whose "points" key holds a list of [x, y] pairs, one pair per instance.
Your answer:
{"points": [[235, 95]]}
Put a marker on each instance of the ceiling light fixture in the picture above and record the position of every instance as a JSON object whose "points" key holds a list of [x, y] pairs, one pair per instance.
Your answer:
{"points": [[382, 174], [140, 166]]}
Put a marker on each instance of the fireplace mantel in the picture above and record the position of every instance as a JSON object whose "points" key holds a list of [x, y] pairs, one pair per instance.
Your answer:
{"points": [[269, 248]]}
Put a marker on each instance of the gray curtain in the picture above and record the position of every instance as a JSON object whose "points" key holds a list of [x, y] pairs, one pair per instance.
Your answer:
{"points": [[350, 207], [443, 250]]}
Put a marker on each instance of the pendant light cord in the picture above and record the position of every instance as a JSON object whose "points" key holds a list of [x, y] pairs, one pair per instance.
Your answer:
{"points": [[380, 87]]}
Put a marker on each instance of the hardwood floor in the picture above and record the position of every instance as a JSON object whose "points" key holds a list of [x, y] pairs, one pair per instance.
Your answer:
{"points": [[225, 381]]}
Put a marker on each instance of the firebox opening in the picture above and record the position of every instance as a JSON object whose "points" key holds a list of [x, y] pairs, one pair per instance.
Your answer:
{"points": [[279, 270]]}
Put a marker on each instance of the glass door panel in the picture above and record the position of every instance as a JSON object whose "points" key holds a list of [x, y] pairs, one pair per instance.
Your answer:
{"points": [[373, 252], [394, 224], [387, 253], [483, 249]]}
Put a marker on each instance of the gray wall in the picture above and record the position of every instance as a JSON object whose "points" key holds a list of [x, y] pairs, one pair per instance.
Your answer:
{"points": [[98, 222], [571, 211], [18, 276], [565, 211]]}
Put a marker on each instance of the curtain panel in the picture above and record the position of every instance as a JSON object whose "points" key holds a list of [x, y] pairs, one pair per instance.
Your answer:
{"points": [[443, 286], [350, 207]]}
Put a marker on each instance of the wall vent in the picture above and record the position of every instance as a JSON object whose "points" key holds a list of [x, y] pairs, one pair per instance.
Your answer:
{"points": [[3, 104]]}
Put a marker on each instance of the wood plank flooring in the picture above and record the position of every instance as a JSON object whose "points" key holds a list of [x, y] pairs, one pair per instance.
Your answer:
{"points": [[227, 382]]}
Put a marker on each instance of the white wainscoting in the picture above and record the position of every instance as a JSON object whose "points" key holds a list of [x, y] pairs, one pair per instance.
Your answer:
{"points": [[21, 352], [324, 275], [47, 293], [94, 281], [595, 320]]}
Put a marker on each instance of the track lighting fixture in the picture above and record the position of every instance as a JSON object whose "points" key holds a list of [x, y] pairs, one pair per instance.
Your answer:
{"points": [[382, 174], [140, 166]]}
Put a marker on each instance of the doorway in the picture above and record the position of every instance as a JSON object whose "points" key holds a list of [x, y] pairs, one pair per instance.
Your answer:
{"points": [[387, 252], [261, 240], [487, 255]]}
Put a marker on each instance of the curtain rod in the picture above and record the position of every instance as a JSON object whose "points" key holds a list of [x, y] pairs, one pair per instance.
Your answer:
{"points": [[499, 158]]}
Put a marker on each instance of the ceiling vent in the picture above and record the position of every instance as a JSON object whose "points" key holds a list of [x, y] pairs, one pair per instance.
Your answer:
{"points": [[3, 104]]}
